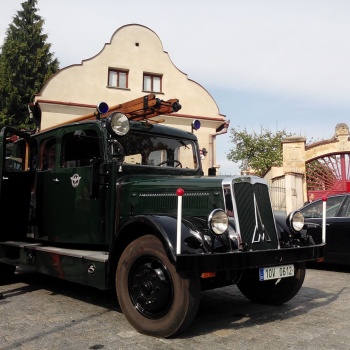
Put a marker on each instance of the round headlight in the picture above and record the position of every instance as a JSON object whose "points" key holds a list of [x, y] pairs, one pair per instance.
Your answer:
{"points": [[218, 221], [118, 124], [296, 220]]}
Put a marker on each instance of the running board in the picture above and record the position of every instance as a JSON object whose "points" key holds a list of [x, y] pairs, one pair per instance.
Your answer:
{"points": [[87, 267]]}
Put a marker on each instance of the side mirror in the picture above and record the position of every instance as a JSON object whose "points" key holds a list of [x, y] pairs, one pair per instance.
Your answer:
{"points": [[212, 172], [79, 134], [116, 150]]}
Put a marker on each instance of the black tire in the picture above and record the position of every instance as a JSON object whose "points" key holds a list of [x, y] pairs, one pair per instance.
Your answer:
{"points": [[6, 273], [154, 298], [272, 292]]}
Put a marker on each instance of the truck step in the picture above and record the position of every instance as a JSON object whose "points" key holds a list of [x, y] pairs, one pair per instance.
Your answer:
{"points": [[101, 256]]}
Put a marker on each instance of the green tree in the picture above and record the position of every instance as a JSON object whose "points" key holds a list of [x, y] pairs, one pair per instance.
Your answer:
{"points": [[257, 151], [26, 63]]}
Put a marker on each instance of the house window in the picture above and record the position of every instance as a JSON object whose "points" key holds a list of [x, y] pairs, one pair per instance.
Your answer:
{"points": [[152, 82], [118, 78]]}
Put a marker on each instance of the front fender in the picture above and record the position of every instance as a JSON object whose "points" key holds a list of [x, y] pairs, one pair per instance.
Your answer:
{"points": [[165, 228], [288, 237], [283, 230]]}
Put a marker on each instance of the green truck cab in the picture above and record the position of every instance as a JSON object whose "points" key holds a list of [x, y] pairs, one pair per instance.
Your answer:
{"points": [[118, 203]]}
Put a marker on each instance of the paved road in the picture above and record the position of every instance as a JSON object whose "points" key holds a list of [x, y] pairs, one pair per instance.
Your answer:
{"points": [[42, 313]]}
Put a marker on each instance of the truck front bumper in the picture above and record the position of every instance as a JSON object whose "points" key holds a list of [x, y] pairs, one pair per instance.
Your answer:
{"points": [[250, 259]]}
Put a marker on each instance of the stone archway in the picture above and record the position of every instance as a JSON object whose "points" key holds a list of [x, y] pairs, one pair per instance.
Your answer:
{"points": [[327, 164], [322, 168]]}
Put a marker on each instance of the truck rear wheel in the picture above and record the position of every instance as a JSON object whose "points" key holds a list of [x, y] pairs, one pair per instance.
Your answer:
{"points": [[6, 272], [272, 292], [154, 298]]}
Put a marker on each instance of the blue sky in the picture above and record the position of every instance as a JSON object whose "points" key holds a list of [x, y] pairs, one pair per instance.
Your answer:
{"points": [[279, 64]]}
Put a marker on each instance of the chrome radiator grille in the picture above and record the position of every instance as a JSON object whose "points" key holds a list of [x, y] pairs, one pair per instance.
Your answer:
{"points": [[255, 220]]}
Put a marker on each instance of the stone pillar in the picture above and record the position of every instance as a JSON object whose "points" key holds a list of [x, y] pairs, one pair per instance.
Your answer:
{"points": [[294, 171], [294, 191]]}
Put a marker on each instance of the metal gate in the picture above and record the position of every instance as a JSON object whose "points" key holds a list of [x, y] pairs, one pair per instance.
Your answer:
{"points": [[328, 174], [277, 188]]}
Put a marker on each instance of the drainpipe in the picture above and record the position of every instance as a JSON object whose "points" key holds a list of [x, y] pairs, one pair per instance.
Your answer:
{"points": [[219, 131]]}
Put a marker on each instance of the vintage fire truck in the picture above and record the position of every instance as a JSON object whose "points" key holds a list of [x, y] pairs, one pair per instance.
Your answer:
{"points": [[117, 200]]}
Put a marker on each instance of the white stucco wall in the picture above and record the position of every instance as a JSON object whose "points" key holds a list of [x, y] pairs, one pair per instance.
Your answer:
{"points": [[76, 90], [86, 83]]}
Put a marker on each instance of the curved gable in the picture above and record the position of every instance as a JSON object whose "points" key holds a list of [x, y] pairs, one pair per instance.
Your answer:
{"points": [[138, 50]]}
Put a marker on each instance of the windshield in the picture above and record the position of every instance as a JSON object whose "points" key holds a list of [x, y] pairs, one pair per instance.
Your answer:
{"points": [[159, 151]]}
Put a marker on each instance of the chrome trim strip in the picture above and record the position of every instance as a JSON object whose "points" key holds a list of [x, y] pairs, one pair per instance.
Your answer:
{"points": [[195, 194]]}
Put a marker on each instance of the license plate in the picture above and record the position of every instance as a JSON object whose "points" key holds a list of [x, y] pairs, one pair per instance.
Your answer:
{"points": [[276, 272]]}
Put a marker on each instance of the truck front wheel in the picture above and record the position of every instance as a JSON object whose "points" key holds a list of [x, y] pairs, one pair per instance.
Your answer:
{"points": [[272, 292], [154, 298]]}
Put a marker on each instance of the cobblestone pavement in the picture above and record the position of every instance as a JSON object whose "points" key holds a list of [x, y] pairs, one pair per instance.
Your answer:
{"points": [[39, 312]]}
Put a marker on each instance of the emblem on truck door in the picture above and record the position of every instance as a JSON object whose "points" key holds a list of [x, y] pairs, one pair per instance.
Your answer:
{"points": [[75, 180]]}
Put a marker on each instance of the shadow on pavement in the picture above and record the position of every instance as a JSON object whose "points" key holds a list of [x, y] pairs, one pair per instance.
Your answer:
{"points": [[220, 309]]}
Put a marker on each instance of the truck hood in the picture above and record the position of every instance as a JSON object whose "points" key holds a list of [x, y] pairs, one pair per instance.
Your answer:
{"points": [[154, 195]]}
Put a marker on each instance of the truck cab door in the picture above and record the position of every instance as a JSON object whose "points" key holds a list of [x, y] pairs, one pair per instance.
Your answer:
{"points": [[69, 188], [16, 183]]}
